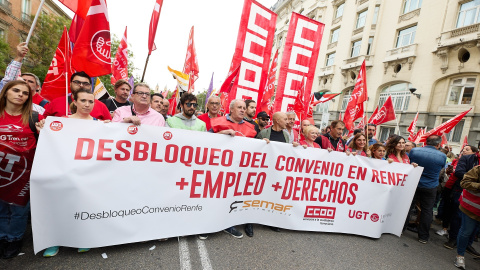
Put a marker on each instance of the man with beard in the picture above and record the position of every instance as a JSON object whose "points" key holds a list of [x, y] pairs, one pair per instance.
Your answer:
{"points": [[122, 91], [333, 140], [371, 129], [79, 80], [251, 107], [187, 119]]}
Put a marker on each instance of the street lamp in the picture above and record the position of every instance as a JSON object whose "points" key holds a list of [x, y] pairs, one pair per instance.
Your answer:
{"points": [[412, 90]]}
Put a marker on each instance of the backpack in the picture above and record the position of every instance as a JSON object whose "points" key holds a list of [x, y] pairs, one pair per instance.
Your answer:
{"points": [[31, 122]]}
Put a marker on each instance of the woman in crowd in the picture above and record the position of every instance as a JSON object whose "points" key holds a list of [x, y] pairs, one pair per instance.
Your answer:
{"points": [[359, 146], [310, 133], [81, 107], [378, 151], [17, 121], [396, 150]]}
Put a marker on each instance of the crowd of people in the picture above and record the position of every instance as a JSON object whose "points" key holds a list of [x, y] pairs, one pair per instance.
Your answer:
{"points": [[449, 181]]}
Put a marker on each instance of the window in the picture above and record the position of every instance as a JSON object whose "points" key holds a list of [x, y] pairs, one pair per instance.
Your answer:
{"points": [[339, 12], [455, 135], [361, 18], [385, 132], [406, 36], [346, 98], [400, 94], [2, 34], [370, 42], [356, 48], [26, 6], [334, 35], [375, 15], [461, 91], [330, 59], [469, 13], [411, 5]]}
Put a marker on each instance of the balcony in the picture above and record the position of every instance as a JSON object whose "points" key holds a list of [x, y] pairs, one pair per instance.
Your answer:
{"points": [[357, 61], [357, 31], [409, 15], [401, 53], [332, 45], [361, 2], [26, 18], [459, 36], [327, 70], [6, 6]]}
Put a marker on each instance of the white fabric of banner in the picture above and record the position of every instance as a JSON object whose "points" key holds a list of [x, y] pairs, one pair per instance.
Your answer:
{"points": [[97, 184]]}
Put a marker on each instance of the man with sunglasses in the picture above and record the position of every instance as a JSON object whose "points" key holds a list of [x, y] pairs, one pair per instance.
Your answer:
{"points": [[140, 113], [187, 119], [262, 120], [79, 80]]}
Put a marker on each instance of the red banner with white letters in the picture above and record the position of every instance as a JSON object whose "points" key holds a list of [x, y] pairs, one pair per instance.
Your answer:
{"points": [[120, 63], [253, 51], [299, 60]]}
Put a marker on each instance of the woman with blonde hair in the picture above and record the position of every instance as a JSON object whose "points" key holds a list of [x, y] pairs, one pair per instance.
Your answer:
{"points": [[310, 133]]}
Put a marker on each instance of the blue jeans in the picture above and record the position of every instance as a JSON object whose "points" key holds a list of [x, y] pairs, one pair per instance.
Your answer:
{"points": [[466, 231], [13, 221]]}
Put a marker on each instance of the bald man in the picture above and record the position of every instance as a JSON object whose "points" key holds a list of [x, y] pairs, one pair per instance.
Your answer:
{"points": [[274, 133]]}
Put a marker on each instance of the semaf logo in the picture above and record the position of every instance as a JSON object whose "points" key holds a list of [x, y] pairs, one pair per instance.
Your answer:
{"points": [[320, 212]]}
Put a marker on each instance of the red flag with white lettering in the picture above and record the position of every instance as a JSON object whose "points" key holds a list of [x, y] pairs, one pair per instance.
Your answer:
{"points": [[359, 95], [411, 128], [57, 81], [120, 64], [92, 49], [299, 105], [445, 127], [299, 60], [444, 140], [360, 125], [191, 63], [266, 103], [385, 114], [152, 29], [253, 51], [79, 7], [465, 143], [373, 114], [419, 135]]}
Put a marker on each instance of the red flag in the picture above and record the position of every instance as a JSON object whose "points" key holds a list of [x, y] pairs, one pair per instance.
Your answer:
{"points": [[465, 143], [360, 125], [56, 82], [412, 126], [172, 108], [75, 28], [266, 104], [359, 95], [80, 7], [152, 30], [445, 127], [310, 107], [385, 114], [120, 64], [373, 114], [226, 88], [191, 63], [340, 116], [419, 135], [299, 106], [444, 139], [92, 49]]}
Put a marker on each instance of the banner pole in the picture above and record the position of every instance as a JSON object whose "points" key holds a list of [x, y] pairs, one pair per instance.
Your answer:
{"points": [[66, 93], [145, 68], [34, 22]]}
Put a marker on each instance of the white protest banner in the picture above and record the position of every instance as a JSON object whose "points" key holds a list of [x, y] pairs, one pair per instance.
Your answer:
{"points": [[97, 184]]}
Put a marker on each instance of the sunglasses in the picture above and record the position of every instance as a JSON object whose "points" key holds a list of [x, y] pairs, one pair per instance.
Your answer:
{"points": [[190, 104]]}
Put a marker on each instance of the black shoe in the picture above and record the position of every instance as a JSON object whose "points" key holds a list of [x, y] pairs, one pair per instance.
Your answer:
{"points": [[451, 244], [233, 232], [412, 229], [3, 245], [249, 230], [12, 249], [275, 229], [473, 252]]}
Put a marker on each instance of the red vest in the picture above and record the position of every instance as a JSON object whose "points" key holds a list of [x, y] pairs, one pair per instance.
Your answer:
{"points": [[470, 201], [205, 118], [405, 159], [244, 129], [315, 145], [327, 144]]}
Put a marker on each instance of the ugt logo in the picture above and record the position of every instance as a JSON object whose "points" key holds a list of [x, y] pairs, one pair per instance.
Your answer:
{"points": [[8, 159]]}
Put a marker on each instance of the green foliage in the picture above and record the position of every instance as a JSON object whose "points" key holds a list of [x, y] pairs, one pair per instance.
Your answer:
{"points": [[43, 44], [201, 100], [131, 67], [4, 55]]}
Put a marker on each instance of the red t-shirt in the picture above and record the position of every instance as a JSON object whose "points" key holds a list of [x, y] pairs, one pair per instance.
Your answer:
{"points": [[315, 145], [205, 118], [58, 106], [37, 99], [405, 159], [17, 145]]}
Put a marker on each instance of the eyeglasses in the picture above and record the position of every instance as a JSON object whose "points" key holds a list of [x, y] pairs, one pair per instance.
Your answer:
{"points": [[146, 94], [190, 104], [214, 103], [79, 83], [263, 119]]}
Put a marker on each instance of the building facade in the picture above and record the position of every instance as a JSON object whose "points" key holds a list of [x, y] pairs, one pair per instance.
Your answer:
{"points": [[428, 47], [16, 18]]}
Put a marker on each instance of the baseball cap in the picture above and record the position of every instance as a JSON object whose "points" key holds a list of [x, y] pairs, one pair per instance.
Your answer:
{"points": [[263, 114]]}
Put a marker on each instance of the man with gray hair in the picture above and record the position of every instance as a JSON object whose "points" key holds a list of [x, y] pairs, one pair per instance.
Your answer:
{"points": [[432, 160], [213, 107], [140, 112], [292, 134]]}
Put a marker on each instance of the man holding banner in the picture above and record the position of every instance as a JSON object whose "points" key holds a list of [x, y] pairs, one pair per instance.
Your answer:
{"points": [[122, 91], [333, 141]]}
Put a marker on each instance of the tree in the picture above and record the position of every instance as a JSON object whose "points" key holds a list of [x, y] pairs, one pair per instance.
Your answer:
{"points": [[4, 55], [43, 44], [201, 100], [131, 67]]}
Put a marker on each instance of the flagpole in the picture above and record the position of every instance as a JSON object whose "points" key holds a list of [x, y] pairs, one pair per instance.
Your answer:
{"points": [[145, 68], [66, 92], [34, 22]]}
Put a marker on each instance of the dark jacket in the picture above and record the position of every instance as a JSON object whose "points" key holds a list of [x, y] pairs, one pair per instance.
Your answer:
{"points": [[465, 164], [432, 161]]}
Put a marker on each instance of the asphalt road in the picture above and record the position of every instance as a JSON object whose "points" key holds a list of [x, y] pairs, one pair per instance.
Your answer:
{"points": [[266, 250]]}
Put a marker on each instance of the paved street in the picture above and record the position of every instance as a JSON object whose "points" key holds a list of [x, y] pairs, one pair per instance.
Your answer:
{"points": [[266, 250]]}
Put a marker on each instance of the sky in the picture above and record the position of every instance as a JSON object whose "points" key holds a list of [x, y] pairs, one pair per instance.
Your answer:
{"points": [[216, 27]]}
